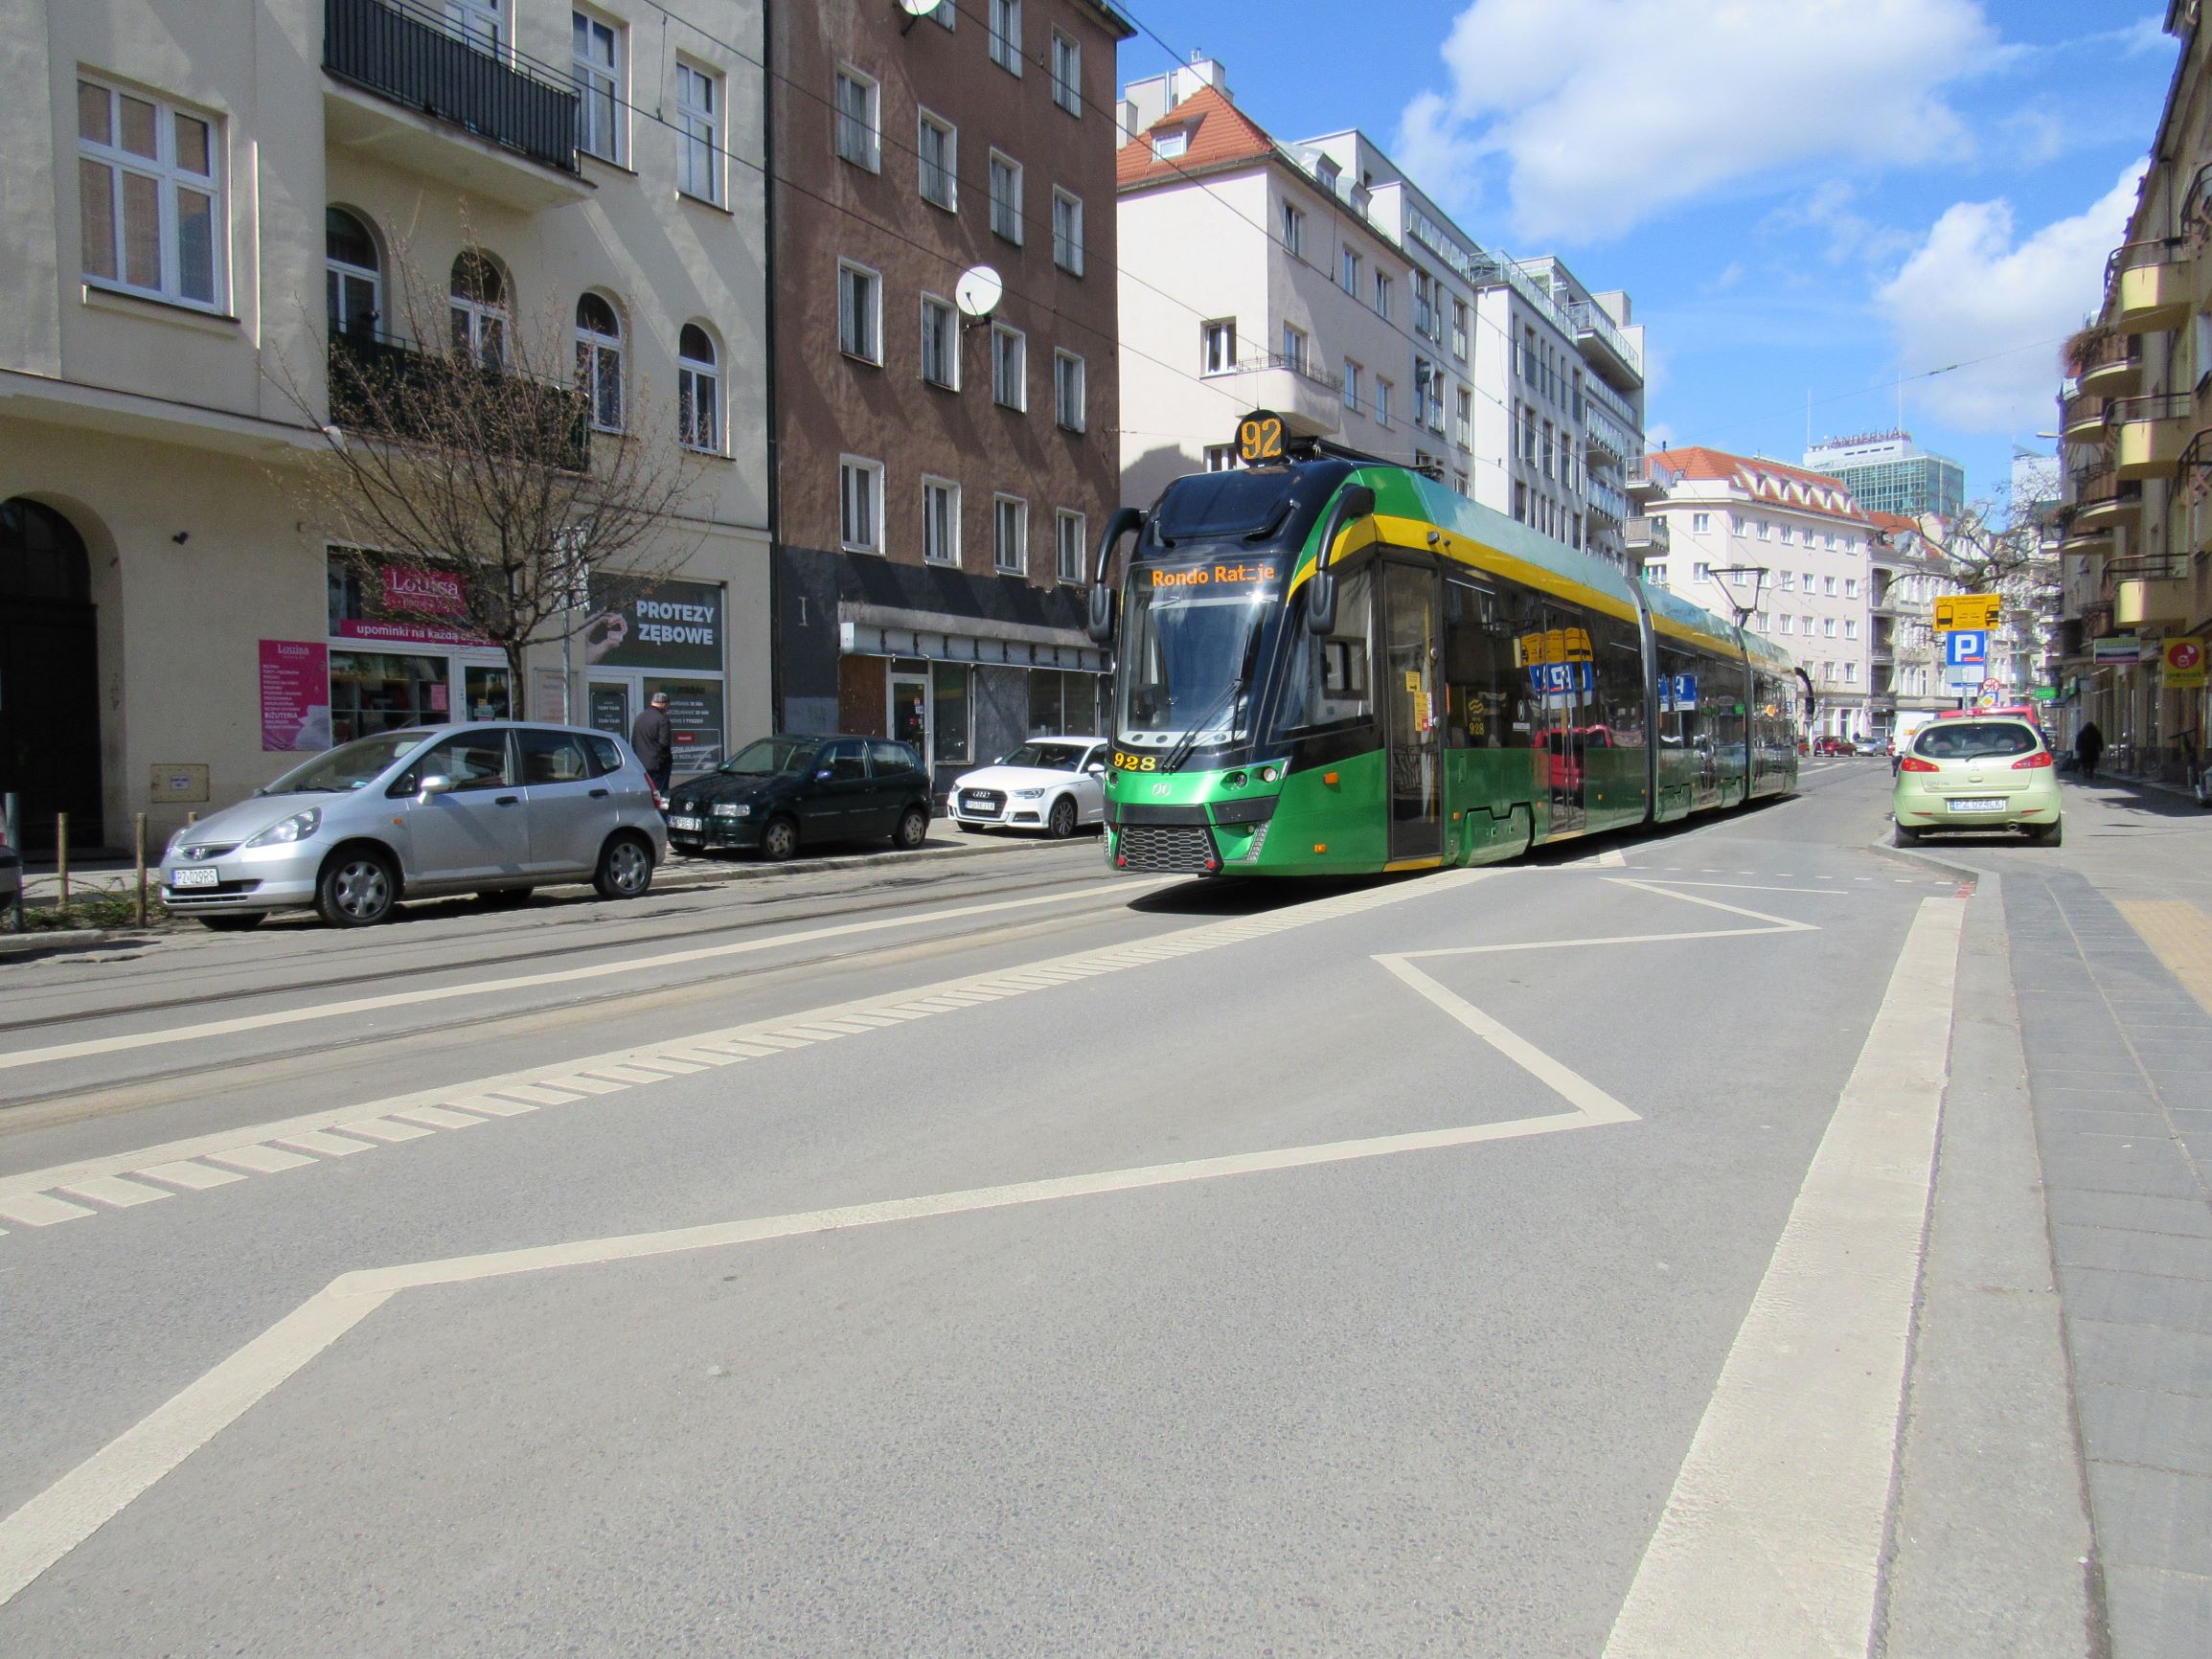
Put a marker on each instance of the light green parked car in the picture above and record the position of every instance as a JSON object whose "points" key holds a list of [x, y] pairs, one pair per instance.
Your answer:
{"points": [[1987, 773]]}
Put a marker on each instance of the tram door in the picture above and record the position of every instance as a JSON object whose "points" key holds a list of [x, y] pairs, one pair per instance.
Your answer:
{"points": [[1409, 677], [1562, 674]]}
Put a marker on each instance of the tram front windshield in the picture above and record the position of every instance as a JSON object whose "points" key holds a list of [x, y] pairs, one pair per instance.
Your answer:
{"points": [[1189, 661]]}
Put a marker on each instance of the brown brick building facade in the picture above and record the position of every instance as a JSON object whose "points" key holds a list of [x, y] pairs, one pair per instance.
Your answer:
{"points": [[940, 478]]}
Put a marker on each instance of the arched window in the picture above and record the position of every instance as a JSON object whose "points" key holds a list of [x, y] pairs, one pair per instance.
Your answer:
{"points": [[354, 277], [599, 360], [479, 301], [698, 390]]}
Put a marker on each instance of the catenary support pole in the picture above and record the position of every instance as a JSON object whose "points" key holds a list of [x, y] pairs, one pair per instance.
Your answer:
{"points": [[62, 856]]}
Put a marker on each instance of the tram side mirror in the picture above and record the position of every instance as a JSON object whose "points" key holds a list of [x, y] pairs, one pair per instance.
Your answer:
{"points": [[1356, 502], [1102, 614]]}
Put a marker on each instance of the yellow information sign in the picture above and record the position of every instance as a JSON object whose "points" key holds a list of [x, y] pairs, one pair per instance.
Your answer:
{"points": [[1967, 610], [2183, 660]]}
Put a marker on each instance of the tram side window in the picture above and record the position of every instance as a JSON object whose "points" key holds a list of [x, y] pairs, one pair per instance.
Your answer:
{"points": [[1619, 654], [1482, 686], [1326, 679], [1680, 676]]}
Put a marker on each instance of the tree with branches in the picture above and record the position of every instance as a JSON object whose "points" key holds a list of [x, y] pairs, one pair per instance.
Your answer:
{"points": [[481, 471]]}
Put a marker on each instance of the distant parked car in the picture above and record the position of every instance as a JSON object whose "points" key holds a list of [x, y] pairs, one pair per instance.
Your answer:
{"points": [[493, 808], [1052, 785], [1831, 746], [780, 794]]}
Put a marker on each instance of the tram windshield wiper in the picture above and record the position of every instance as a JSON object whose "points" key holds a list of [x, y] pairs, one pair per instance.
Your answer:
{"points": [[1173, 761]]}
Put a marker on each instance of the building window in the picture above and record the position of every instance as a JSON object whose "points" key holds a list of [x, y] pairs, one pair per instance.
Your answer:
{"points": [[940, 343], [1351, 371], [1808, 629], [1006, 197], [1827, 628], [1463, 421], [1784, 621], [1067, 545], [1010, 535], [1701, 522], [599, 360], [1173, 145], [1762, 623], [1067, 232], [1850, 587], [940, 521], [698, 391], [1459, 482], [1221, 457], [1785, 539], [1850, 673], [1422, 394], [698, 134], [477, 302], [595, 65], [1295, 230], [146, 179], [859, 313], [1009, 367], [1424, 306], [1656, 573], [1735, 524], [353, 276], [1293, 348], [1459, 329], [859, 133], [1827, 587], [1381, 401], [1701, 572], [1850, 627], [1220, 347], [1349, 274], [1006, 35], [860, 504], [938, 144], [1789, 580], [1382, 296], [1066, 74], [1808, 581], [1067, 391], [1763, 529]]}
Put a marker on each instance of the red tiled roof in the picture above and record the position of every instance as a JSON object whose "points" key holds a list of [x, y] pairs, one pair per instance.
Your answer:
{"points": [[1761, 479], [1222, 135]]}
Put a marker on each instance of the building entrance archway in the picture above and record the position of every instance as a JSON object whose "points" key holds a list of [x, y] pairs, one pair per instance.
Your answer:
{"points": [[48, 675]]}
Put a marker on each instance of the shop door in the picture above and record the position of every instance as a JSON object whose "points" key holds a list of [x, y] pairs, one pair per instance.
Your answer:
{"points": [[49, 678], [1409, 678], [909, 722], [606, 706]]}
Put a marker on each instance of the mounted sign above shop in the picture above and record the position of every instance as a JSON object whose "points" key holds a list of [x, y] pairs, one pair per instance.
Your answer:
{"points": [[672, 625]]}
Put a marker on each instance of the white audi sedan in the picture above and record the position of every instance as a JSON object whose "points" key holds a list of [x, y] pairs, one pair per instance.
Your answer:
{"points": [[1053, 785]]}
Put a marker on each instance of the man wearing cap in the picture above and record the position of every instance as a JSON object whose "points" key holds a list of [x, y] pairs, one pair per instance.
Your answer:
{"points": [[650, 738]]}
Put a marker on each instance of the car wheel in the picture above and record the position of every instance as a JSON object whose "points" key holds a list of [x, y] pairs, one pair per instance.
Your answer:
{"points": [[1907, 837], [357, 889], [624, 868], [779, 840], [1059, 822], [913, 829], [234, 921], [2049, 835]]}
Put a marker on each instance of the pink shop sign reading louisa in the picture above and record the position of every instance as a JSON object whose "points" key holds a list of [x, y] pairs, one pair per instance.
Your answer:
{"points": [[416, 593]]}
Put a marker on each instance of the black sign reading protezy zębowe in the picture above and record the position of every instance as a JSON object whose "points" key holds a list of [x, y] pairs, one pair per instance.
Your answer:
{"points": [[674, 624]]}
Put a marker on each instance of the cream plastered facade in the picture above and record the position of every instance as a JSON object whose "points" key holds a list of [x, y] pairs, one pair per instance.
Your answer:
{"points": [[168, 434]]}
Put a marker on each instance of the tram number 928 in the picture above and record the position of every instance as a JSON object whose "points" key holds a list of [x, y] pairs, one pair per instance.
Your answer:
{"points": [[1129, 763]]}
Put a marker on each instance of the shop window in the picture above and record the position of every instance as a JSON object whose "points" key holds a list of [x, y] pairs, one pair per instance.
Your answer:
{"points": [[373, 692], [1062, 705], [950, 742]]}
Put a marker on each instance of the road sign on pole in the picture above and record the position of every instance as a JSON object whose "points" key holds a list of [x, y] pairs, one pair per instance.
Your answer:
{"points": [[1965, 647], [1967, 610]]}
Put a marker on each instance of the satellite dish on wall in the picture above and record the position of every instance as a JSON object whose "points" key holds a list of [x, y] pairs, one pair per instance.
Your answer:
{"points": [[977, 292], [918, 9]]}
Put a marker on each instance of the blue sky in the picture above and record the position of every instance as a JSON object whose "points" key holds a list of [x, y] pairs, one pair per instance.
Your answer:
{"points": [[1801, 195]]}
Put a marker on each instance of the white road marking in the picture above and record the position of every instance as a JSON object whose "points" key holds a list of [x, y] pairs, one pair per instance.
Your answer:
{"points": [[1754, 887], [405, 1118], [324, 1144], [258, 1160], [115, 1191], [231, 1027], [536, 1097], [1770, 1544], [496, 1107], [41, 1210], [192, 1177], [85, 1499]]}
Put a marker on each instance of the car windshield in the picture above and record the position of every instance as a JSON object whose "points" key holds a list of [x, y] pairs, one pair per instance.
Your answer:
{"points": [[1189, 656], [771, 757], [1048, 757], [1986, 739], [348, 767]]}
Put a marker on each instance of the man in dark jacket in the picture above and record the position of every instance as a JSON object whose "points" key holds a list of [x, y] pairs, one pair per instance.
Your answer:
{"points": [[2089, 750], [650, 738]]}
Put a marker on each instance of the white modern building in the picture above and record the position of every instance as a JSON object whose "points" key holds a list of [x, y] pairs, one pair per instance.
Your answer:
{"points": [[1788, 550], [1336, 292]]}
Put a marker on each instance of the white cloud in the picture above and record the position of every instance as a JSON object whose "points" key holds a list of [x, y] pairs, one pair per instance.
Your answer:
{"points": [[1604, 112], [1969, 291]]}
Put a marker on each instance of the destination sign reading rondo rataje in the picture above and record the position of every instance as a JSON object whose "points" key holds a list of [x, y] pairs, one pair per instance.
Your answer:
{"points": [[1259, 437], [1967, 610], [1243, 572]]}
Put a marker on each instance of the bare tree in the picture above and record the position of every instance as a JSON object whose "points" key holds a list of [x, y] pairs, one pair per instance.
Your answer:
{"points": [[464, 456]]}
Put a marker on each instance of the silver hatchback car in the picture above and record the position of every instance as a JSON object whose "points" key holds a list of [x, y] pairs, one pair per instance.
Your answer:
{"points": [[494, 808]]}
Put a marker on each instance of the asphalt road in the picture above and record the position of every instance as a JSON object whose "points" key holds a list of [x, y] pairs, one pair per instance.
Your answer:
{"points": [[988, 1256]]}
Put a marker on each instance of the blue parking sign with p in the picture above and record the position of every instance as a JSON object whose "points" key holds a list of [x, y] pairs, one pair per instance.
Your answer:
{"points": [[1965, 647]]}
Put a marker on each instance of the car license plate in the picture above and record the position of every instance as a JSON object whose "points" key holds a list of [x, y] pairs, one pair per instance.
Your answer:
{"points": [[686, 824], [207, 875], [1978, 803]]}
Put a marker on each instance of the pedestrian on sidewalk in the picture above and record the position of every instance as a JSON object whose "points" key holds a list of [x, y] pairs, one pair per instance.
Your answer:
{"points": [[649, 736], [2089, 750]]}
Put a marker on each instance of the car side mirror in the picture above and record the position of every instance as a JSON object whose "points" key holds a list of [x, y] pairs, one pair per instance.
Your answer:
{"points": [[1096, 769], [822, 776], [435, 784]]}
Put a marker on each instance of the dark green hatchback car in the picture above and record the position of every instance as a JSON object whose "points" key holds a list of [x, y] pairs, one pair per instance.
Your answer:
{"points": [[779, 794]]}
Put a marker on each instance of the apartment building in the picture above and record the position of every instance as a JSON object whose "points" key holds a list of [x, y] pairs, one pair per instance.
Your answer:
{"points": [[946, 451], [205, 207], [1338, 293], [1889, 472], [1788, 550], [2135, 526]]}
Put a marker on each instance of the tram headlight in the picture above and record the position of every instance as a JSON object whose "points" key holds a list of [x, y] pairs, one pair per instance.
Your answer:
{"points": [[1270, 774], [1235, 781]]}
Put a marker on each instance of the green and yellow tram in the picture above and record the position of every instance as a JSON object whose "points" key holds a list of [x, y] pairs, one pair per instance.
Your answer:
{"points": [[1331, 665]]}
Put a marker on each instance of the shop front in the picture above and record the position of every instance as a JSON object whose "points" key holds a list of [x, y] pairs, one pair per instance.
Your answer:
{"points": [[667, 638]]}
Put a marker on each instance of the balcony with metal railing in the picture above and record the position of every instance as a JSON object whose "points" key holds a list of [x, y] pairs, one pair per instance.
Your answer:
{"points": [[387, 388], [1609, 436], [2112, 367], [2146, 284], [2150, 431], [1604, 343], [408, 89], [2103, 501], [1309, 398], [1607, 501], [1650, 536]]}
